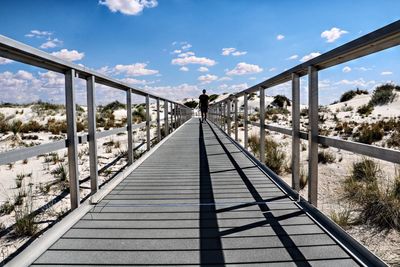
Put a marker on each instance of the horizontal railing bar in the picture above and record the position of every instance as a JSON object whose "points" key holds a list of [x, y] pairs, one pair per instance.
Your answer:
{"points": [[383, 38], [382, 153], [364, 149], [29, 152], [17, 51]]}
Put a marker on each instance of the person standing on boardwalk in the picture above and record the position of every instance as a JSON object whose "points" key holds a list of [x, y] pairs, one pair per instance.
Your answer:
{"points": [[203, 104]]}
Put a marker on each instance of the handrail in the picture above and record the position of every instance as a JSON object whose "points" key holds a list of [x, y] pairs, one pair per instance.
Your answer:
{"points": [[381, 39], [18, 51], [175, 113]]}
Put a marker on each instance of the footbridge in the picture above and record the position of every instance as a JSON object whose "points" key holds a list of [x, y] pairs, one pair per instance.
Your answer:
{"points": [[197, 196]]}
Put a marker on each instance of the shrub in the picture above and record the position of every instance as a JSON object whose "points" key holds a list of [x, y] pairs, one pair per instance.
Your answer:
{"points": [[369, 133], [365, 109], [32, 126], [273, 111], [347, 96], [383, 94], [252, 96], [342, 218], [139, 114], [281, 101], [274, 156], [60, 172], [351, 94], [113, 106], [325, 157], [365, 170], [6, 208], [57, 126], [394, 139], [25, 224], [254, 144], [15, 126], [191, 104], [213, 97], [4, 127]]}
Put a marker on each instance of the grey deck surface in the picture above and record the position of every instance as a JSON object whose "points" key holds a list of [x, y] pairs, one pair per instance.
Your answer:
{"points": [[197, 200]]}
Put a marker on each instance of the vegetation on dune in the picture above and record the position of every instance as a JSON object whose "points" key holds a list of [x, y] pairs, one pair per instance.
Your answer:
{"points": [[281, 101], [213, 97], [369, 133], [351, 94], [383, 94], [139, 114], [325, 157], [113, 106], [365, 109], [191, 104]]}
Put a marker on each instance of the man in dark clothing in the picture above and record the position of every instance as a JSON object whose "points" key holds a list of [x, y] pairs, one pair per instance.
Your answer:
{"points": [[203, 104]]}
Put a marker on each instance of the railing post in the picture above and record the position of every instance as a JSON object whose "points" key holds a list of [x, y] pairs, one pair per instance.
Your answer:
{"points": [[245, 121], [148, 122], [224, 116], [91, 104], [172, 117], [236, 119], [313, 135], [175, 115], [72, 138], [295, 132], [262, 124], [129, 122], [166, 123], [221, 123], [228, 119], [158, 121]]}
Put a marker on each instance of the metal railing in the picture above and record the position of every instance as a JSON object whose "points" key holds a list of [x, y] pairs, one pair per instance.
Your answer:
{"points": [[383, 38], [175, 114]]}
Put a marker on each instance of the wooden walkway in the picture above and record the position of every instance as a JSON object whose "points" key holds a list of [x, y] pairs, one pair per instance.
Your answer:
{"points": [[197, 200]]}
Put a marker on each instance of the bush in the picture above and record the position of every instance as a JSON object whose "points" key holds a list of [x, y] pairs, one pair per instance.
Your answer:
{"points": [[351, 94], [272, 111], [394, 140], [281, 101], [342, 218], [254, 144], [383, 94], [365, 109], [56, 126], [274, 156], [191, 104], [113, 106], [369, 133], [365, 170], [325, 157], [31, 127], [6, 208], [212, 97], [25, 224], [15, 126], [139, 114]]}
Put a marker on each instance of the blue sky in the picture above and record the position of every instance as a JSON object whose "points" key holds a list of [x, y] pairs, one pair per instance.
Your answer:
{"points": [[177, 47]]}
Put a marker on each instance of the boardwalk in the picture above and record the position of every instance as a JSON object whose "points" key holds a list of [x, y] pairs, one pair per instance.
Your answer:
{"points": [[198, 200]]}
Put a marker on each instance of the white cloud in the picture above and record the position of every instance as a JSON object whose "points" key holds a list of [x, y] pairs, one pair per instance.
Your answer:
{"points": [[243, 68], [386, 73], [183, 68], [177, 51], [51, 43], [133, 81], [346, 69], [225, 78], [174, 92], [293, 57], [228, 51], [280, 37], [38, 34], [310, 56], [359, 82], [239, 53], [364, 69], [232, 51], [186, 54], [4, 61], [70, 55], [193, 60], [239, 87], [202, 69], [272, 69], [136, 69], [186, 46], [252, 78], [332, 34], [24, 75], [52, 79], [207, 78], [128, 7]]}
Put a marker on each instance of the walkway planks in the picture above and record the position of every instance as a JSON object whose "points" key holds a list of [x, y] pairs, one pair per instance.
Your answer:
{"points": [[198, 200]]}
